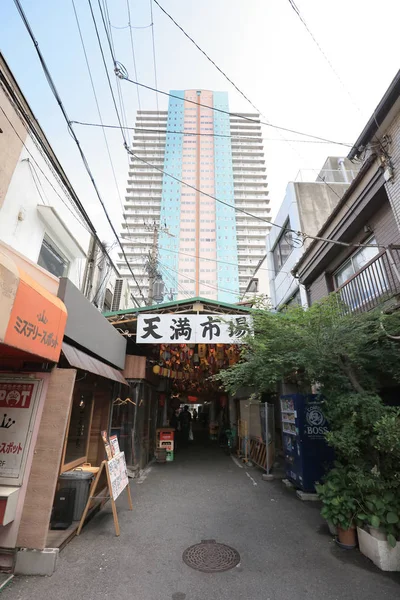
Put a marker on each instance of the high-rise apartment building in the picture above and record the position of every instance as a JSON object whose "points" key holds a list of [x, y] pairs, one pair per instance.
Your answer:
{"points": [[185, 239]]}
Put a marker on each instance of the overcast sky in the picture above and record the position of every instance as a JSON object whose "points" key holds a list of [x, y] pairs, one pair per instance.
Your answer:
{"points": [[260, 44]]}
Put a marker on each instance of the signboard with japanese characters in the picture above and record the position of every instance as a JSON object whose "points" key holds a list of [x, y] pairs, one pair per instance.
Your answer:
{"points": [[192, 329], [17, 410], [118, 474], [37, 321]]}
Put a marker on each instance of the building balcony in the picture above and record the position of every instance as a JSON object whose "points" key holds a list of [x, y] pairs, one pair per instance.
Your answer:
{"points": [[372, 285]]}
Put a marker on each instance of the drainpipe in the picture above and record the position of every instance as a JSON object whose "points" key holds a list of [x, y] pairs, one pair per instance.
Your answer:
{"points": [[343, 169]]}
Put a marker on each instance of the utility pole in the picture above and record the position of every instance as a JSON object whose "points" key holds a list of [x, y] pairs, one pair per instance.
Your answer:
{"points": [[88, 275], [152, 265]]}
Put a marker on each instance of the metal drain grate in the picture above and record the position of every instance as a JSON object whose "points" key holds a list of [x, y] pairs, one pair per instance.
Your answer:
{"points": [[211, 557]]}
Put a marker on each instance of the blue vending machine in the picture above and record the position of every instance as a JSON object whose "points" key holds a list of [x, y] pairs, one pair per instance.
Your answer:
{"points": [[307, 454]]}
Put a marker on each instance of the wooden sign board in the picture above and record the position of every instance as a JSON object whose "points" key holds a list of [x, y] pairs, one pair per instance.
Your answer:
{"points": [[118, 474], [117, 481]]}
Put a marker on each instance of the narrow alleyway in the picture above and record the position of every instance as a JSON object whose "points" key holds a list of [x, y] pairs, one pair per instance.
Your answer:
{"points": [[286, 552]]}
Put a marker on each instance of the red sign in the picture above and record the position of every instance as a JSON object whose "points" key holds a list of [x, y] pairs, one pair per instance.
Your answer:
{"points": [[16, 395]]}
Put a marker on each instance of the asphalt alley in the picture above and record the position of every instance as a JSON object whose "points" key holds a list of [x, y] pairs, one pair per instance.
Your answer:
{"points": [[285, 548]]}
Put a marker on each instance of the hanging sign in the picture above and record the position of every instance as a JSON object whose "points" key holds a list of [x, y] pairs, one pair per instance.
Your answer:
{"points": [[17, 404], [192, 329]]}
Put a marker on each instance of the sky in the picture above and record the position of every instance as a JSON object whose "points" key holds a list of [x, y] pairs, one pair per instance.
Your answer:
{"points": [[263, 47]]}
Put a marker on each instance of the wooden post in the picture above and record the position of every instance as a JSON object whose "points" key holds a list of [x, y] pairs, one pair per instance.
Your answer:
{"points": [[93, 487], [128, 489], [114, 508], [91, 492]]}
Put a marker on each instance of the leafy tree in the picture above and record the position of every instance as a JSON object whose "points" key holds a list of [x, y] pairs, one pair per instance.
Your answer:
{"points": [[341, 352], [351, 357]]}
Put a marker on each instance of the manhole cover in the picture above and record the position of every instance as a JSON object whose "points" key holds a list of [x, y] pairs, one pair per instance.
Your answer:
{"points": [[211, 557]]}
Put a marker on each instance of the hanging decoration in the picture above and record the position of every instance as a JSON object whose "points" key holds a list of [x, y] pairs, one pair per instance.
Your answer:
{"points": [[192, 366]]}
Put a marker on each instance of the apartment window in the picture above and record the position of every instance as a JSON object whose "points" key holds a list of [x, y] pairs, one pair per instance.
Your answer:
{"points": [[52, 259], [373, 283], [355, 263], [283, 248]]}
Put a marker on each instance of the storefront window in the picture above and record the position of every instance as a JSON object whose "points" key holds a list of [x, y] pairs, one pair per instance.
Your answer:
{"points": [[77, 441]]}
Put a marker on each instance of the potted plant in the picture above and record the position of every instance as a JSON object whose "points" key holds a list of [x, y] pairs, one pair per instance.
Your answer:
{"points": [[339, 505], [379, 530]]}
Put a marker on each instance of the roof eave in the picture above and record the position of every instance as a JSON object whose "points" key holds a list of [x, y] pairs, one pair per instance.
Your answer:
{"points": [[377, 118]]}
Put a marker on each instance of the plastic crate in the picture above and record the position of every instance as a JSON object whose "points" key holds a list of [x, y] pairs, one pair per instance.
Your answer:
{"points": [[80, 481]]}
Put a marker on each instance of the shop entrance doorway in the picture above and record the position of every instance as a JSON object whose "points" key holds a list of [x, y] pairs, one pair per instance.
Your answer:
{"points": [[176, 351]]}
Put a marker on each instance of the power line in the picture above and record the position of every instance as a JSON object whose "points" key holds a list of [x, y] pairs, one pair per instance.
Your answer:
{"points": [[154, 52], [219, 135], [222, 262], [302, 19], [133, 49], [99, 111], [105, 64], [230, 81], [131, 26], [241, 210], [118, 67], [231, 114], [174, 283], [96, 100], [207, 57], [213, 287], [83, 157]]}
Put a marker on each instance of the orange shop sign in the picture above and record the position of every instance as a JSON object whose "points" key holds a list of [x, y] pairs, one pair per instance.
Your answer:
{"points": [[36, 320]]}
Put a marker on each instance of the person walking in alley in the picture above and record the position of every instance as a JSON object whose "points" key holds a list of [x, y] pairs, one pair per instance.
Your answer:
{"points": [[185, 419], [194, 415]]}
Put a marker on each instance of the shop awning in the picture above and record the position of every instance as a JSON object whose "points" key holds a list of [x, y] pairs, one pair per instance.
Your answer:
{"points": [[81, 360], [31, 318]]}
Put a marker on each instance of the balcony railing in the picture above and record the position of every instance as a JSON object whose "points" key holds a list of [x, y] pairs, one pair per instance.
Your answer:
{"points": [[376, 282]]}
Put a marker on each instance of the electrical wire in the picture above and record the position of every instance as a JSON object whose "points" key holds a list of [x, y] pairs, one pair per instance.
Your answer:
{"points": [[133, 49], [105, 66], [213, 287], [131, 26], [118, 67], [223, 262], [238, 136], [154, 52], [302, 19], [99, 112], [173, 282], [241, 210], [76, 140], [231, 114], [234, 85], [207, 56]]}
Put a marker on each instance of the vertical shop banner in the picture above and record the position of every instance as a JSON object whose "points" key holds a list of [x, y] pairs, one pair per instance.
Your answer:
{"points": [[193, 329], [17, 403]]}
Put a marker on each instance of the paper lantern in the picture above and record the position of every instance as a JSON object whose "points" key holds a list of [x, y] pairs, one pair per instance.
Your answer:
{"points": [[156, 369]]}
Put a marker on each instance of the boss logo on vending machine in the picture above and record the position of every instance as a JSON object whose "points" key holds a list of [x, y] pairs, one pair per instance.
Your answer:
{"points": [[315, 421]]}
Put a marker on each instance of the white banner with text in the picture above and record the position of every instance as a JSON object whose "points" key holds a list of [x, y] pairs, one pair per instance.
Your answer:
{"points": [[192, 329]]}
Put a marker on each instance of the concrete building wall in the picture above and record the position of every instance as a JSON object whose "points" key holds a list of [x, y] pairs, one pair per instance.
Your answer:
{"points": [[307, 205], [12, 136], [21, 225], [282, 285], [393, 186], [315, 203]]}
